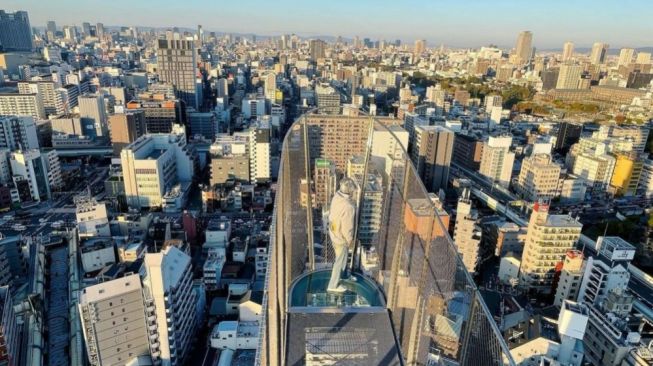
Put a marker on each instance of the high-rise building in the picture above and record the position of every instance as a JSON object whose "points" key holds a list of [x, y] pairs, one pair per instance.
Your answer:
{"points": [[15, 31], [126, 128], [420, 47], [170, 304], [153, 165], [51, 26], [93, 107], [626, 56], [113, 319], [610, 332], [431, 155], [324, 181], [161, 113], [317, 48], [259, 151], [567, 51], [47, 90], [569, 76], [568, 134], [99, 30], [524, 47], [222, 88], [29, 166], [497, 160], [538, 178], [570, 279], [643, 58], [270, 86], [203, 124], [467, 151], [18, 133], [10, 335], [606, 271], [492, 101], [467, 233], [327, 99], [626, 175], [596, 169], [177, 65], [22, 105], [229, 159], [599, 51], [541, 257]]}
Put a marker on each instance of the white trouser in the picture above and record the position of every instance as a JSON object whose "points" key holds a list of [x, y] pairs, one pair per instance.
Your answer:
{"points": [[339, 264]]}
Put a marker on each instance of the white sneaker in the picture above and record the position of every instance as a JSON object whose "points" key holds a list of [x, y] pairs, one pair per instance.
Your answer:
{"points": [[338, 290]]}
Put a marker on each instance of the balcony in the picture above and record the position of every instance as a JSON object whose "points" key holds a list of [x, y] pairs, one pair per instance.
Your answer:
{"points": [[416, 272]]}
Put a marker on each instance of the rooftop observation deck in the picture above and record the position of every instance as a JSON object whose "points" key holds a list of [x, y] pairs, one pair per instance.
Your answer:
{"points": [[412, 303]]}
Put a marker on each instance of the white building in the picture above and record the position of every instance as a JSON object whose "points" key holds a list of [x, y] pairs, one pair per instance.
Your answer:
{"points": [[29, 166], [97, 253], [113, 321], [607, 271], [212, 270], [29, 105], [538, 178], [217, 235], [170, 304], [327, 99], [467, 233], [253, 106], [548, 239], [92, 218], [571, 276], [153, 165], [572, 323], [497, 160], [54, 170], [18, 133]]}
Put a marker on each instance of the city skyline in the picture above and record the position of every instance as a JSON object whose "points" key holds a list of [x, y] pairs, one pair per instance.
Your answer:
{"points": [[572, 21]]}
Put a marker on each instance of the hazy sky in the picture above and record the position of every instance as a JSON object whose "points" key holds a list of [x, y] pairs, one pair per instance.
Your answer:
{"points": [[461, 23]]}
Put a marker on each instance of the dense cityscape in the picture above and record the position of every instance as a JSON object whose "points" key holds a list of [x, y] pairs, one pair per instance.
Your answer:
{"points": [[177, 196]]}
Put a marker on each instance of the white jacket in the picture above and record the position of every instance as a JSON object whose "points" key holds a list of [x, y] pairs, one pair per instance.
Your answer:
{"points": [[342, 217]]}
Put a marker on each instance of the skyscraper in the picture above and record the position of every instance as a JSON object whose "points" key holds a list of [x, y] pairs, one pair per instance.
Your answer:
{"points": [[177, 65], [10, 335], [431, 155], [467, 233], [626, 56], [568, 134], [538, 178], [524, 47], [15, 31], [569, 76], [420, 46], [317, 48], [113, 317], [170, 301], [154, 164], [29, 166], [93, 107], [567, 51], [599, 51], [327, 99], [540, 257], [497, 160], [126, 128], [270, 86]]}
